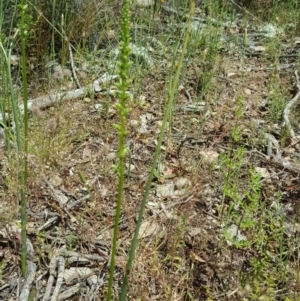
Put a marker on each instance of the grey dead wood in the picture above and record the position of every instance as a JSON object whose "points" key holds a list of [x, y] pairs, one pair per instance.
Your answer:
{"points": [[48, 223], [60, 277], [52, 268], [53, 220], [38, 285], [288, 107], [51, 99], [60, 198], [29, 278], [69, 292], [95, 283], [82, 258]]}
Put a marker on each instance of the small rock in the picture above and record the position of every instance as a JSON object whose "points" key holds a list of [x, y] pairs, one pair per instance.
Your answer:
{"points": [[247, 91]]}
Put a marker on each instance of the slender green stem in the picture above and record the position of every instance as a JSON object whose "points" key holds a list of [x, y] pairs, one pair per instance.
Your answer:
{"points": [[7, 76], [25, 88], [156, 156], [24, 155], [53, 30], [124, 65], [3, 104]]}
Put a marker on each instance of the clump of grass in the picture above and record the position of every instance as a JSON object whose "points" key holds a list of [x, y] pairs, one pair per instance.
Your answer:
{"points": [[20, 123]]}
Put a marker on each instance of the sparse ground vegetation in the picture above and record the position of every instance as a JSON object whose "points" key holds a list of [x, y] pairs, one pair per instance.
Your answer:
{"points": [[221, 220]]}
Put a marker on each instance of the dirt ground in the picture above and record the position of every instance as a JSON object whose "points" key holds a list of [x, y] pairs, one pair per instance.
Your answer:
{"points": [[182, 253]]}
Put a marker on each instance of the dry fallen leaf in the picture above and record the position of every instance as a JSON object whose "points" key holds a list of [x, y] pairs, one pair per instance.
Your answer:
{"points": [[74, 273], [220, 265], [82, 75], [149, 228], [209, 155], [86, 154], [194, 257], [165, 190], [56, 180], [182, 183], [259, 48], [52, 125], [262, 171], [247, 91], [37, 111]]}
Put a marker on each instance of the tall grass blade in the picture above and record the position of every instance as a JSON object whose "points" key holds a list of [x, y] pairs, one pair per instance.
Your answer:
{"points": [[24, 154]]}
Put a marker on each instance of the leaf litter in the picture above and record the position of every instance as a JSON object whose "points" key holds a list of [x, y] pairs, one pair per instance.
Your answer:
{"points": [[72, 186]]}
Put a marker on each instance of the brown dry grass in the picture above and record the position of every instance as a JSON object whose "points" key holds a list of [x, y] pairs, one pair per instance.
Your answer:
{"points": [[187, 258]]}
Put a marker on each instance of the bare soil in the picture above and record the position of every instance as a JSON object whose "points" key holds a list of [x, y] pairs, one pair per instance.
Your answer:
{"points": [[184, 256]]}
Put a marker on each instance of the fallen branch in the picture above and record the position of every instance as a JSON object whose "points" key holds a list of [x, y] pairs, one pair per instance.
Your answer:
{"points": [[51, 279], [73, 67], [70, 292], [49, 100], [60, 277], [285, 164], [30, 274]]}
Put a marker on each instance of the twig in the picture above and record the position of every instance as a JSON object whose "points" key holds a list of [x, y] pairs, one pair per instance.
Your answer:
{"points": [[38, 286], [95, 288], [245, 10], [287, 109], [30, 273], [71, 59], [73, 67], [60, 277], [287, 165], [52, 268], [235, 82], [49, 222], [60, 198], [6, 285], [70, 292], [82, 257]]}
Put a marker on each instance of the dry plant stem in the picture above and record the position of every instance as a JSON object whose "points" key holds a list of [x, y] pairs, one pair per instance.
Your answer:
{"points": [[242, 8], [156, 156], [71, 60], [287, 109], [73, 67]]}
